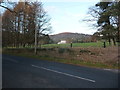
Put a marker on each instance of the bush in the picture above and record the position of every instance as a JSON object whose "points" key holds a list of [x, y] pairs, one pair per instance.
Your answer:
{"points": [[61, 50], [51, 49], [85, 51], [43, 49]]}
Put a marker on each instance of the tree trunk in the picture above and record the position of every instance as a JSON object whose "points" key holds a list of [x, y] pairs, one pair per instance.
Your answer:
{"points": [[109, 41], [23, 44], [119, 30], [15, 39], [114, 42], [18, 31]]}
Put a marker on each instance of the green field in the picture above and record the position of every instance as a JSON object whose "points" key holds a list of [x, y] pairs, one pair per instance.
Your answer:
{"points": [[90, 44], [67, 45]]}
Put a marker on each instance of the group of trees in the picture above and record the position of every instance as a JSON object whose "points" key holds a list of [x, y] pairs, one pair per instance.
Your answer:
{"points": [[107, 15], [20, 22]]}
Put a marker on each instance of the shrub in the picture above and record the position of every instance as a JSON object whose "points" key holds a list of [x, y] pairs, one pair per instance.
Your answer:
{"points": [[85, 51], [43, 49], [65, 50], [51, 49], [61, 50]]}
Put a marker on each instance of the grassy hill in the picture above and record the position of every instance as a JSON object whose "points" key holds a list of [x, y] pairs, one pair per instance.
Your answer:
{"points": [[68, 36]]}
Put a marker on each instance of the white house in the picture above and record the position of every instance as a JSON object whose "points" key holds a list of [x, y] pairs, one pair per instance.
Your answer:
{"points": [[62, 42]]}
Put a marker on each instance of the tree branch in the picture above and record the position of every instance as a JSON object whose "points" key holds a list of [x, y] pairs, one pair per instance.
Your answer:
{"points": [[7, 9]]}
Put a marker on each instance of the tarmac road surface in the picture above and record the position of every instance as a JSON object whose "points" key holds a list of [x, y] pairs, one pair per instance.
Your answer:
{"points": [[21, 72]]}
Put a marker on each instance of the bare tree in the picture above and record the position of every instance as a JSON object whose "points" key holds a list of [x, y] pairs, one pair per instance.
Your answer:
{"points": [[27, 18], [6, 3]]}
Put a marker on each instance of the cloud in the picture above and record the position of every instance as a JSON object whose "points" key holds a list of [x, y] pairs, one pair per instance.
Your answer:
{"points": [[65, 17], [51, 9], [61, 0], [68, 0], [57, 0], [76, 15]]}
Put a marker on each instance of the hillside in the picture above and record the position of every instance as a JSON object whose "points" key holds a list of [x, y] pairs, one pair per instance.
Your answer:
{"points": [[68, 36]]}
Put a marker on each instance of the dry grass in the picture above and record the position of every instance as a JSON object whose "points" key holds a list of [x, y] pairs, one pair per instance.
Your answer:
{"points": [[94, 55], [107, 55]]}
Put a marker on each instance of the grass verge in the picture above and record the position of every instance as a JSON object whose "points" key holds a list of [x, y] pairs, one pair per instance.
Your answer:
{"points": [[73, 62]]}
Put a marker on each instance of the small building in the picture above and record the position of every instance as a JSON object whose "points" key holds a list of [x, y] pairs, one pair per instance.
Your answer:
{"points": [[62, 42]]}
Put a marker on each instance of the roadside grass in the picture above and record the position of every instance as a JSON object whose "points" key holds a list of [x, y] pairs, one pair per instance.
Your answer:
{"points": [[89, 44], [90, 54], [61, 60]]}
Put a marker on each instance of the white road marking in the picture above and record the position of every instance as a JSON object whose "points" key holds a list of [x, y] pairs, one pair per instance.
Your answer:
{"points": [[64, 73], [107, 69], [11, 60], [113, 70]]}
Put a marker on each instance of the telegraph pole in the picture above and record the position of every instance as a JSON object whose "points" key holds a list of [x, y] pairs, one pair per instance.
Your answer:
{"points": [[35, 41], [35, 49]]}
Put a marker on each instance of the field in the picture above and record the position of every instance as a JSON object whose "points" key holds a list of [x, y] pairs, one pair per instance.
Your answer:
{"points": [[68, 45], [90, 44]]}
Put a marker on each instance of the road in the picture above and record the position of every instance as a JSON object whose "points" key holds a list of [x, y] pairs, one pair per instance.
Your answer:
{"points": [[21, 72]]}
